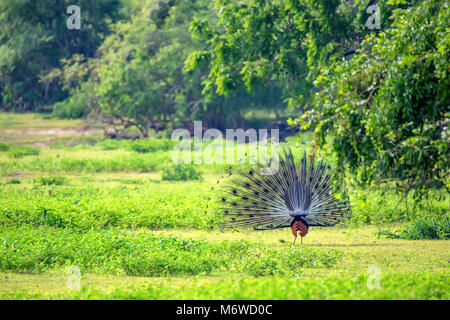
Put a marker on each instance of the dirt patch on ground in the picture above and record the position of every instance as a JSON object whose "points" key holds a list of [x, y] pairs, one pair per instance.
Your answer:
{"points": [[49, 135]]}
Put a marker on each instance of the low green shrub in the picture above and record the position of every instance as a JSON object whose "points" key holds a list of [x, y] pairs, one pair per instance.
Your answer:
{"points": [[14, 181], [122, 163], [73, 107], [112, 144], [180, 172], [140, 253], [152, 145], [4, 147], [81, 207], [133, 162], [21, 151]]}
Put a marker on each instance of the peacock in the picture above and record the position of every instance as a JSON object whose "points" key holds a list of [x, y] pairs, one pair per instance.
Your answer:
{"points": [[291, 196]]}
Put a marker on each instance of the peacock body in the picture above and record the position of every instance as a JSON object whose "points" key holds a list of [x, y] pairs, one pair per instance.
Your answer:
{"points": [[296, 196]]}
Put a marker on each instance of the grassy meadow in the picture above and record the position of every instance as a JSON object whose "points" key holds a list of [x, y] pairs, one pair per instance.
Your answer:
{"points": [[138, 227]]}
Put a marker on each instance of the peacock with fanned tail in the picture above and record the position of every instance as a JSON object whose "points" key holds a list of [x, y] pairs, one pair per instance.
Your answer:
{"points": [[291, 196]]}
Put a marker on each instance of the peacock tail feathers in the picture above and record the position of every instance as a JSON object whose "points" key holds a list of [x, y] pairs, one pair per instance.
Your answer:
{"points": [[297, 195]]}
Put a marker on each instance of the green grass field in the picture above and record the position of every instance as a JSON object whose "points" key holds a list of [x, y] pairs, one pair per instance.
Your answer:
{"points": [[70, 199]]}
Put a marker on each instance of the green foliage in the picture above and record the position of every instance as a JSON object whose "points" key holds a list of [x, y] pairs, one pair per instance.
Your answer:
{"points": [[136, 162], [98, 205], [281, 43], [425, 285], [72, 108], [4, 147], [133, 225], [50, 181], [269, 263], [144, 145], [152, 145], [386, 108], [180, 172], [33, 39], [382, 101], [14, 181], [384, 205], [141, 164], [112, 144], [423, 228], [141, 253], [21, 151], [138, 79]]}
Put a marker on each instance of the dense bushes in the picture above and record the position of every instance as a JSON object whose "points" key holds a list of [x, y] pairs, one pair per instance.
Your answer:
{"points": [[16, 151], [4, 147], [395, 285], [140, 253]]}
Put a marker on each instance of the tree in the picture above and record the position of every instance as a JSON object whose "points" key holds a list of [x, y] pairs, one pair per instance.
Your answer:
{"points": [[383, 101]]}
